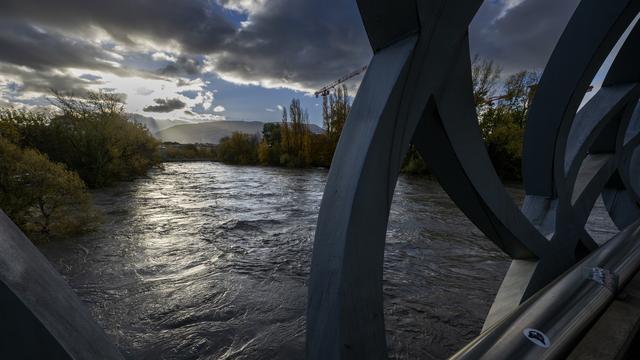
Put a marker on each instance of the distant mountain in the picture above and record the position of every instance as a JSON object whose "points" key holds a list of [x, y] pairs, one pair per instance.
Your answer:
{"points": [[154, 125], [212, 132]]}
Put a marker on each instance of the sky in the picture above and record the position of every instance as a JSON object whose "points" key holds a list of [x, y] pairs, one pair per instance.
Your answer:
{"points": [[204, 60]]}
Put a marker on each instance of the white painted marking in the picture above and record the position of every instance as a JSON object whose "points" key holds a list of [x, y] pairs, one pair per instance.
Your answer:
{"points": [[537, 337]]}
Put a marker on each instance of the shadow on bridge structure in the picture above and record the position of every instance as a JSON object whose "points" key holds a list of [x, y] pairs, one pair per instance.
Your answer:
{"points": [[418, 90]]}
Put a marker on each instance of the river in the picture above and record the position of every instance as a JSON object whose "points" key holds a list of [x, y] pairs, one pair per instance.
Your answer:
{"points": [[208, 261]]}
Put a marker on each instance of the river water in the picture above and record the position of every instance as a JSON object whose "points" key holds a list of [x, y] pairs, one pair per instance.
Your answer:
{"points": [[208, 261]]}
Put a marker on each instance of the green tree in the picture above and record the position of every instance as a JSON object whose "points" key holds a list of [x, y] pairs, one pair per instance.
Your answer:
{"points": [[8, 129], [92, 137], [501, 118], [295, 137], [285, 137], [485, 75], [271, 133], [502, 124], [270, 147], [520, 88], [322, 150], [502, 135], [413, 163], [239, 149], [264, 153], [42, 197], [335, 111], [187, 152]]}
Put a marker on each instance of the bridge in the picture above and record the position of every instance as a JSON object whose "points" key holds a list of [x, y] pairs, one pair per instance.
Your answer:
{"points": [[564, 295]]}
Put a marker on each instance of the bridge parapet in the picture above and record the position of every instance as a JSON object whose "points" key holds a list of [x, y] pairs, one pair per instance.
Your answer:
{"points": [[418, 90]]}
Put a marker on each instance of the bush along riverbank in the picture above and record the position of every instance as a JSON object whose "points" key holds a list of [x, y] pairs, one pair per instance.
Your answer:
{"points": [[176, 152], [51, 159], [291, 143]]}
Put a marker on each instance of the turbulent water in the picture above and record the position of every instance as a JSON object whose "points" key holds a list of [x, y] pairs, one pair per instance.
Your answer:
{"points": [[207, 261]]}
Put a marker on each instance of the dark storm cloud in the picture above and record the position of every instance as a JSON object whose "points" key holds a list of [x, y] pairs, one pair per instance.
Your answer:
{"points": [[183, 66], [165, 105], [290, 41], [44, 81], [196, 25], [37, 59], [297, 42], [26, 45], [525, 36], [312, 42], [90, 77]]}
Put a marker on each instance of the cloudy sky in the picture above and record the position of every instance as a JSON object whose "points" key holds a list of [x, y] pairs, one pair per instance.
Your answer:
{"points": [[203, 60]]}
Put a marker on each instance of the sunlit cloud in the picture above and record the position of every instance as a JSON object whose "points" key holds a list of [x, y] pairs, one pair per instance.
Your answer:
{"points": [[142, 92], [205, 99], [162, 56], [243, 6]]}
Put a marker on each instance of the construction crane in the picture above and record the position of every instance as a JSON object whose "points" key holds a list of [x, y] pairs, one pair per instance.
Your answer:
{"points": [[492, 99], [324, 91]]}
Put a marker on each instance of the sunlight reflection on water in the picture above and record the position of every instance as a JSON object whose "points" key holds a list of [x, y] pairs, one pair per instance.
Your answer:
{"points": [[203, 260]]}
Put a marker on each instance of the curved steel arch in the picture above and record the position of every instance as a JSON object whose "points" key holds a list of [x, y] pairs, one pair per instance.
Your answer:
{"points": [[41, 317], [418, 90]]}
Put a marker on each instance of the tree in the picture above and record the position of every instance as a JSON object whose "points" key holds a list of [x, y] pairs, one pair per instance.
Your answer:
{"points": [[271, 134], [413, 163], [335, 111], [485, 75], [285, 141], [91, 136], [270, 148], [322, 150], [187, 152], [264, 153], [42, 197], [502, 135], [239, 149], [520, 88], [295, 144], [502, 124]]}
